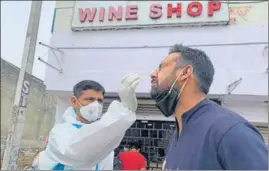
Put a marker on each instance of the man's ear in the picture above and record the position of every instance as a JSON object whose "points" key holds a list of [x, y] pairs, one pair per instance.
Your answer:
{"points": [[73, 101], [185, 72]]}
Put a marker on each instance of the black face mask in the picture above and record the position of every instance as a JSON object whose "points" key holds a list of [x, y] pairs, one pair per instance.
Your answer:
{"points": [[166, 101]]}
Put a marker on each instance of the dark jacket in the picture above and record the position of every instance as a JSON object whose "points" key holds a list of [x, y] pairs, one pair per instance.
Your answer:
{"points": [[215, 138]]}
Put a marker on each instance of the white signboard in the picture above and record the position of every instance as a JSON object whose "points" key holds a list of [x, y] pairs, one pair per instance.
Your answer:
{"points": [[100, 15]]}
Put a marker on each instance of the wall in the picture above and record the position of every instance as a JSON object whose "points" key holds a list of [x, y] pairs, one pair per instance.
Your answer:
{"points": [[39, 118], [228, 46], [41, 108]]}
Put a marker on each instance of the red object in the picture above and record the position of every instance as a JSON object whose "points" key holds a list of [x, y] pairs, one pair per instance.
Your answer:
{"points": [[131, 160], [87, 14], [131, 12], [113, 13], [213, 6], [195, 9], [102, 14], [171, 10], [155, 11]]}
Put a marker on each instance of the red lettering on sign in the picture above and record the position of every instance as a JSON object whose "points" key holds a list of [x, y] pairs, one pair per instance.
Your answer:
{"points": [[131, 12], [87, 14], [171, 10], [112, 12], [155, 11], [101, 14], [195, 9], [213, 6]]}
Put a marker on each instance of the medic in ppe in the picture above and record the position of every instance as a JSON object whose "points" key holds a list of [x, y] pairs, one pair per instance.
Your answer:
{"points": [[87, 138], [208, 136]]}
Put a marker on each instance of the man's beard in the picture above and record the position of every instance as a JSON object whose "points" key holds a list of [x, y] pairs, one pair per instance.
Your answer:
{"points": [[157, 90], [154, 92], [163, 86]]}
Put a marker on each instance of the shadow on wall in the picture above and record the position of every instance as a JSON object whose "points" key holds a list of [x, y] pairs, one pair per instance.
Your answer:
{"points": [[41, 107]]}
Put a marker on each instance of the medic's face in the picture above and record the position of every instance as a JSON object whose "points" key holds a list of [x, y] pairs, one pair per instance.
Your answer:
{"points": [[163, 77], [87, 97]]}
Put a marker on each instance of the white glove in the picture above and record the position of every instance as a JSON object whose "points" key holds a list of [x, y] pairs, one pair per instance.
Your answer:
{"points": [[126, 91]]}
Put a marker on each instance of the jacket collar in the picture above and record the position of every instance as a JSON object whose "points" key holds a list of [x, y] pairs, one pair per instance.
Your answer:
{"points": [[193, 112], [70, 116]]}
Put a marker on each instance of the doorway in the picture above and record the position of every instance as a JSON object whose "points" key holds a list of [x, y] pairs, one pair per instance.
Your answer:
{"points": [[154, 137]]}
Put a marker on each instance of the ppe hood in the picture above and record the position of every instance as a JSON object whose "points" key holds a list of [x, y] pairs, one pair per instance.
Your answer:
{"points": [[69, 116]]}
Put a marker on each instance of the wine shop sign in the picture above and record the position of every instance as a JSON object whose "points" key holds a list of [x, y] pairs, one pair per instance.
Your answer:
{"points": [[100, 15]]}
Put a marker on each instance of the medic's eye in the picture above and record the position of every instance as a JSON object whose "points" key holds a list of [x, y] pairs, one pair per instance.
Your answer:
{"points": [[91, 99], [100, 100]]}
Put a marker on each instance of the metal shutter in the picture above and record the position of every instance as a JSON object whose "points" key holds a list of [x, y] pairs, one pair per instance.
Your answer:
{"points": [[264, 131]]}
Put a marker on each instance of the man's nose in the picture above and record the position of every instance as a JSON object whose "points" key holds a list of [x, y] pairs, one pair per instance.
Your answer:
{"points": [[153, 74]]}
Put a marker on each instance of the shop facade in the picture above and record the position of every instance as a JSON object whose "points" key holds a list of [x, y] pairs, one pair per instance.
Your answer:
{"points": [[103, 41]]}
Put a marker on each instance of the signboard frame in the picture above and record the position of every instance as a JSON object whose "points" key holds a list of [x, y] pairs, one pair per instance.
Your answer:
{"points": [[91, 26]]}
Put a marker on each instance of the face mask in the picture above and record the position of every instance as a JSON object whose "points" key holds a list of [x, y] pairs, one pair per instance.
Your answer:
{"points": [[166, 100], [92, 111]]}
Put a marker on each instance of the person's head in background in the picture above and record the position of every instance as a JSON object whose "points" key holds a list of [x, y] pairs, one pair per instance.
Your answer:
{"points": [[87, 100], [135, 146], [126, 148]]}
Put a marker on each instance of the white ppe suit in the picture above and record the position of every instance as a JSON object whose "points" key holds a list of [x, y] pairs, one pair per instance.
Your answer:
{"points": [[73, 145]]}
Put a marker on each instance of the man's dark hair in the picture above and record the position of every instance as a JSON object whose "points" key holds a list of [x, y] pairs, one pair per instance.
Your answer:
{"points": [[135, 145], [202, 66], [87, 85]]}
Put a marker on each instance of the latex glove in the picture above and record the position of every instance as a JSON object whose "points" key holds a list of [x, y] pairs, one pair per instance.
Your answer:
{"points": [[126, 91]]}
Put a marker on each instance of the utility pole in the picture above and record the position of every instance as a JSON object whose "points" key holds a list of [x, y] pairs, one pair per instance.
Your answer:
{"points": [[10, 159]]}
